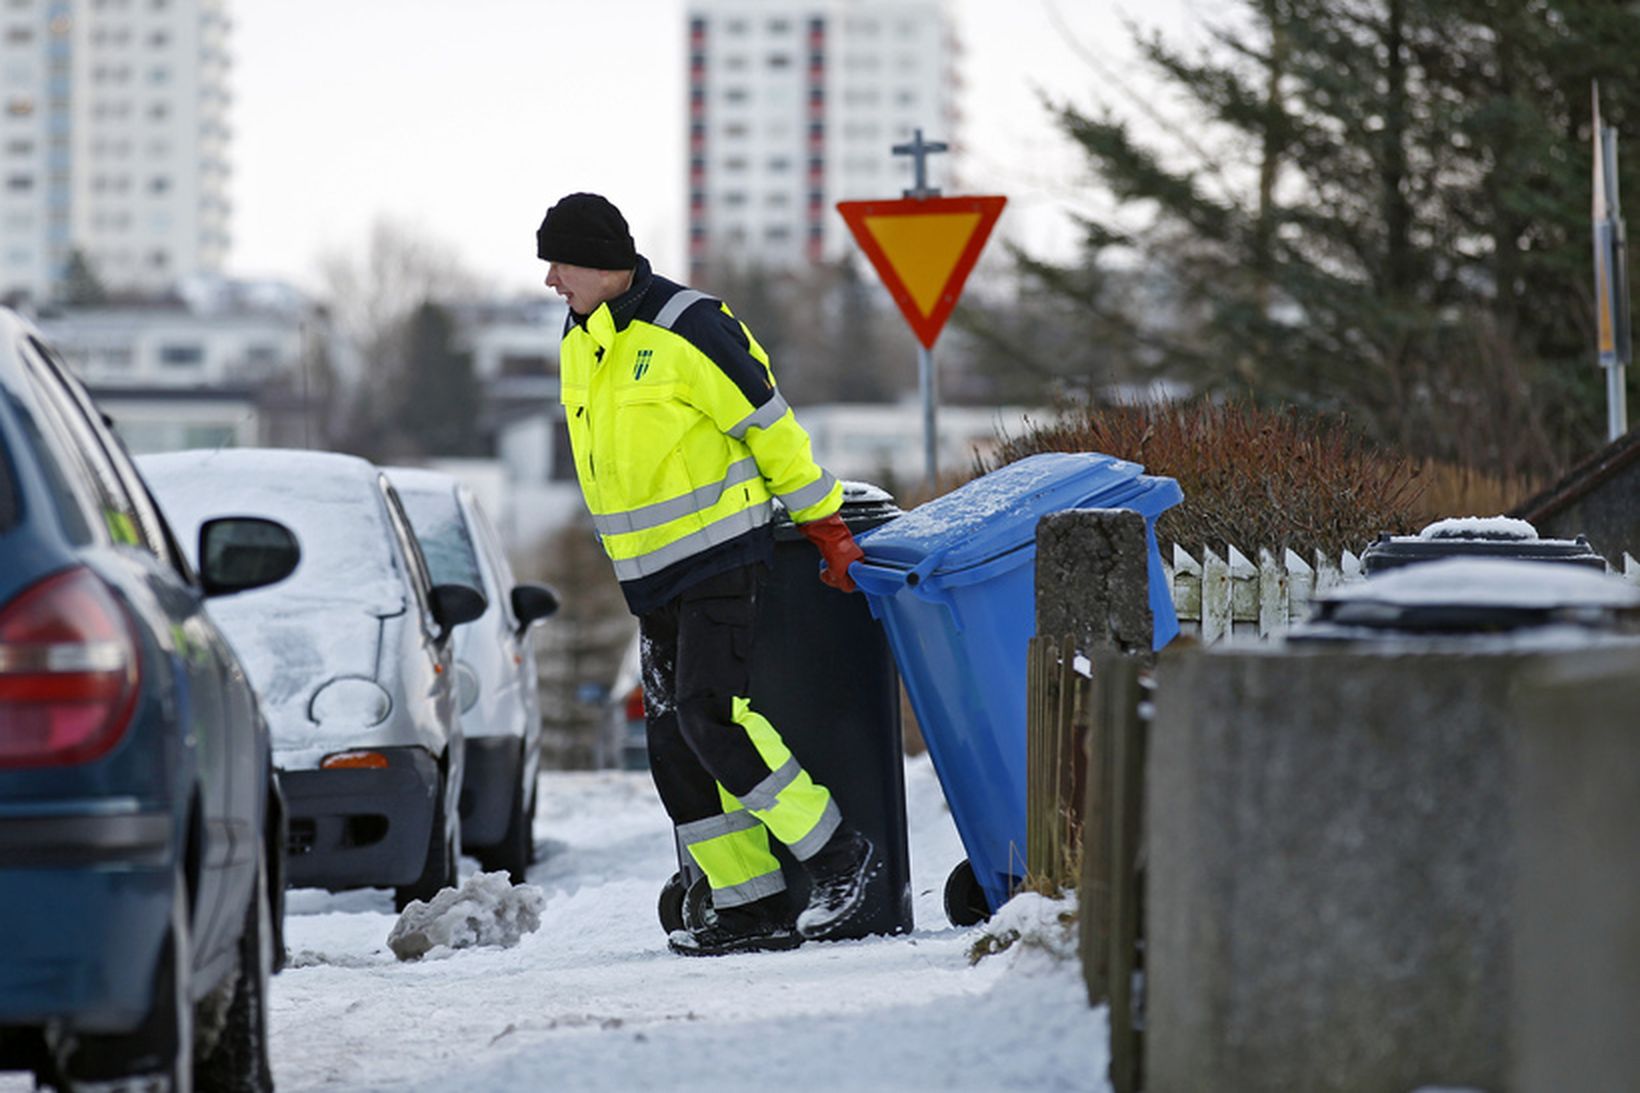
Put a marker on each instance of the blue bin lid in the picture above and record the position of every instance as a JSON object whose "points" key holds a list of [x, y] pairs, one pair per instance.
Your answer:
{"points": [[997, 513]]}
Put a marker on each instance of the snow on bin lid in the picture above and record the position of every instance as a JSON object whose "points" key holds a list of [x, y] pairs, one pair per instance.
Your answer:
{"points": [[1474, 596], [1476, 536], [1489, 582], [997, 513], [1503, 528]]}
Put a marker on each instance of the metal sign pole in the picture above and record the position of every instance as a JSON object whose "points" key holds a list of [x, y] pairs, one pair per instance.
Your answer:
{"points": [[1611, 275], [919, 150], [930, 402], [1617, 410]]}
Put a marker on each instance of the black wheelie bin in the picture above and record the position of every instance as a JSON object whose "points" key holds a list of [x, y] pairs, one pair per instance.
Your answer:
{"points": [[824, 676]]}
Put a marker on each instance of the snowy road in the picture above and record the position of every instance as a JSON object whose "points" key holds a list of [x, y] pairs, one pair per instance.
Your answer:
{"points": [[593, 1000]]}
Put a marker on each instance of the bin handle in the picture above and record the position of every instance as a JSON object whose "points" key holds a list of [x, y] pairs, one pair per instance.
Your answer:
{"points": [[882, 583]]}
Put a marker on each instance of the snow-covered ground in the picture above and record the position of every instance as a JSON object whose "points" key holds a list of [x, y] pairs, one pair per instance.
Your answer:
{"points": [[593, 1000]]}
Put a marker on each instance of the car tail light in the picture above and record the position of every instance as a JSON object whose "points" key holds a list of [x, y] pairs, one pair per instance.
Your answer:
{"points": [[354, 760], [634, 703], [69, 672]]}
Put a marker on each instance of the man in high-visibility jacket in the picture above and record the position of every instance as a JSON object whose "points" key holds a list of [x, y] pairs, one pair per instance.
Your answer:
{"points": [[681, 440]]}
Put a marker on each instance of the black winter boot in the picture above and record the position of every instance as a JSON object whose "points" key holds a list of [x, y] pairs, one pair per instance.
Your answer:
{"points": [[840, 872], [764, 925]]}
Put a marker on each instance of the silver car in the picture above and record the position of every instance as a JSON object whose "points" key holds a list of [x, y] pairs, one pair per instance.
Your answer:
{"points": [[352, 662], [495, 668]]}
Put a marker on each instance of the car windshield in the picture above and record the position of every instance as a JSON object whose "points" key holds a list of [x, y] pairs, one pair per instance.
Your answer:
{"points": [[444, 537], [331, 502]]}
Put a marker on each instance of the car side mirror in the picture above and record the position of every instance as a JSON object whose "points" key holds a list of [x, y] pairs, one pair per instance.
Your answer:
{"points": [[239, 553], [531, 603], [456, 605]]}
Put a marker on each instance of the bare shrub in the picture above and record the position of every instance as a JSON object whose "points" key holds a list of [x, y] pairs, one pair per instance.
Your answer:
{"points": [[1252, 477]]}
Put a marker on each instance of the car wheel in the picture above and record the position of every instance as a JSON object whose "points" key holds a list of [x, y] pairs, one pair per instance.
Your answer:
{"points": [[159, 1052], [238, 1059], [439, 871], [535, 799], [513, 852]]}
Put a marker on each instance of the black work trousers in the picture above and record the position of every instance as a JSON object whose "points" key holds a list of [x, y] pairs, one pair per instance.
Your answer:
{"points": [[697, 658]]}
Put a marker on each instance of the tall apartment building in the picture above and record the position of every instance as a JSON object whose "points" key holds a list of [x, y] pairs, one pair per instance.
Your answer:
{"points": [[113, 141], [794, 105]]}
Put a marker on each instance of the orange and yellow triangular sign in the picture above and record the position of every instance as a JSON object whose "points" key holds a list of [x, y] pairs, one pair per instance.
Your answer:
{"points": [[923, 249]]}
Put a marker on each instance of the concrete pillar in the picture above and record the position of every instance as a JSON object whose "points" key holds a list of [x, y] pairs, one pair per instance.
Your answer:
{"points": [[1331, 868], [1576, 947], [1092, 569]]}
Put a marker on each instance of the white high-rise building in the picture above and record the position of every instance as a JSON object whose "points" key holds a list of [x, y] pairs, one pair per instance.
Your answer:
{"points": [[794, 105], [113, 142]]}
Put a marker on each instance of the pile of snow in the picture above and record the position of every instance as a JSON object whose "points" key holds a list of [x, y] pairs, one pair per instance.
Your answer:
{"points": [[488, 910], [1035, 930]]}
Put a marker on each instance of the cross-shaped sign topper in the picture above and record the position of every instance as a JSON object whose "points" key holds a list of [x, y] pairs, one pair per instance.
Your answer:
{"points": [[919, 150]]}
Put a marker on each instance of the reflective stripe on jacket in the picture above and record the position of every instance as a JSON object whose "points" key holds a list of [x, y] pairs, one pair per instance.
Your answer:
{"points": [[679, 434]]}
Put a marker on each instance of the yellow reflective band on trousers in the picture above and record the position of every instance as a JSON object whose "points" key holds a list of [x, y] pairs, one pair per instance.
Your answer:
{"points": [[732, 849], [798, 811]]}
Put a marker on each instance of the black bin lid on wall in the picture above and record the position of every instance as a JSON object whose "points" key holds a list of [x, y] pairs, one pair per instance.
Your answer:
{"points": [[1477, 537]]}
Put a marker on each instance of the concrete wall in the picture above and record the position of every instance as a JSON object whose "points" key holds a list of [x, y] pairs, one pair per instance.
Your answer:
{"points": [[1576, 951], [1331, 862]]}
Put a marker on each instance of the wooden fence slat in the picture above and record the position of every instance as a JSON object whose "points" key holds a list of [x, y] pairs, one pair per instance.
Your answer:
{"points": [[1300, 586], [1273, 594], [1186, 585], [1244, 605], [1219, 598], [1126, 815], [1215, 614], [1327, 573]]}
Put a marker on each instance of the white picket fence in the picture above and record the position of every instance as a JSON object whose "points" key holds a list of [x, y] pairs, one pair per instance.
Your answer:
{"points": [[1219, 597]]}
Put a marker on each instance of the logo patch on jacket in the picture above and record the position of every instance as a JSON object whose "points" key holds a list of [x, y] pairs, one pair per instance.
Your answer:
{"points": [[642, 364]]}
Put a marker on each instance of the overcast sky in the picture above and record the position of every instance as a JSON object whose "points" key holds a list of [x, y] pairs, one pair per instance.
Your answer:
{"points": [[466, 118]]}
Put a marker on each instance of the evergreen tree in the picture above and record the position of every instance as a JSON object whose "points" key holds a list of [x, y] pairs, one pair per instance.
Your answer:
{"points": [[81, 285], [438, 397], [1383, 209]]}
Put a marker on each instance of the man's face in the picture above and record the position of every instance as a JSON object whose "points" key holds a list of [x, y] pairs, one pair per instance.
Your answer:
{"points": [[583, 288]]}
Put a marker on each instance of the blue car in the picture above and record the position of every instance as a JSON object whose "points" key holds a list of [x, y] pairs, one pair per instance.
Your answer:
{"points": [[140, 824]]}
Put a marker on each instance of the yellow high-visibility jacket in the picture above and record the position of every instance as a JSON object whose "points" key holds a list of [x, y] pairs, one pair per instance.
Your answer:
{"points": [[680, 436]]}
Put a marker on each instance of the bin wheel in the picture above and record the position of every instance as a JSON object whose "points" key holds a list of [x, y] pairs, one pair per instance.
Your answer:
{"points": [[965, 903], [683, 907]]}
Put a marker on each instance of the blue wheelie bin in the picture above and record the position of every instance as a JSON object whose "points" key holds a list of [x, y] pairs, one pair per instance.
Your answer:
{"points": [[953, 583]]}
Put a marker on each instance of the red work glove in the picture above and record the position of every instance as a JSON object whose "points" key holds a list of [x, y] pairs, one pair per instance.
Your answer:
{"points": [[837, 548]]}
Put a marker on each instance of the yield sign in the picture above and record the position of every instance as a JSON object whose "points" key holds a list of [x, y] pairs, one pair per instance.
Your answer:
{"points": [[923, 249]]}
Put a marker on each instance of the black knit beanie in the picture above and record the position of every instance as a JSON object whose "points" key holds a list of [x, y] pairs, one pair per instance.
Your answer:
{"points": [[586, 230]]}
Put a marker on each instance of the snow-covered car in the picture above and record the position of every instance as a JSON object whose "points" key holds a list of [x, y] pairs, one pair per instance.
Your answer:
{"points": [[352, 659], [495, 667], [140, 852]]}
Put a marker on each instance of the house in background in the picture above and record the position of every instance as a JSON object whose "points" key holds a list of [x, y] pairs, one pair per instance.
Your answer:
{"points": [[1599, 498], [216, 362]]}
